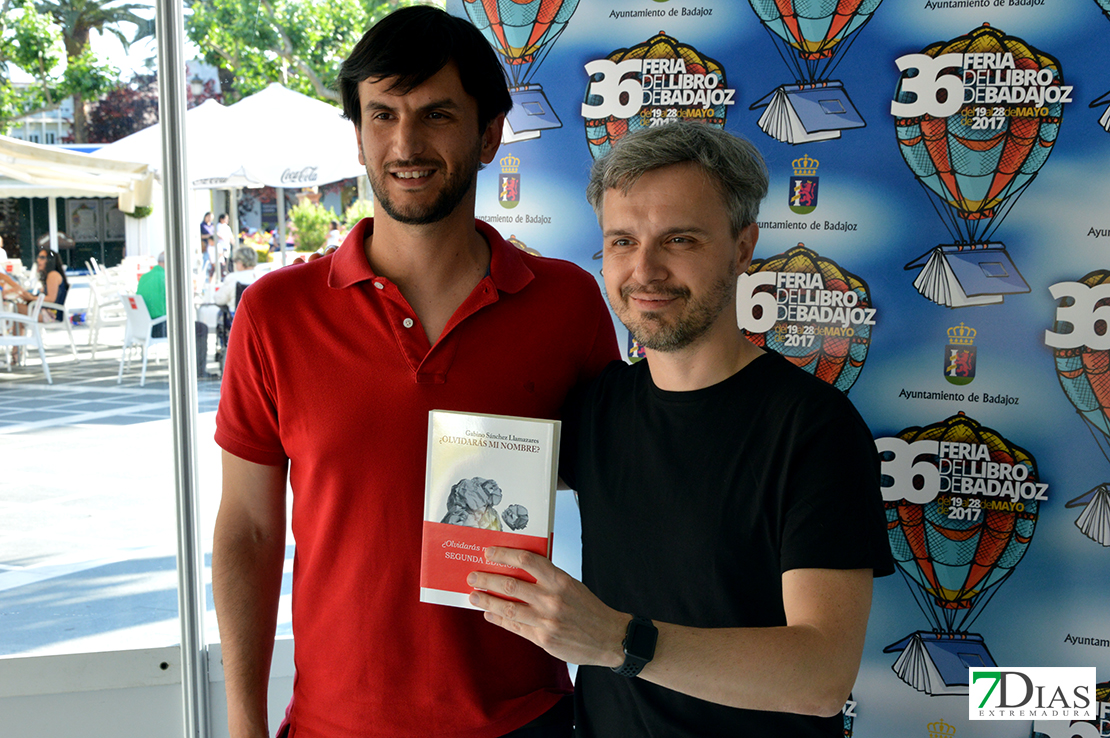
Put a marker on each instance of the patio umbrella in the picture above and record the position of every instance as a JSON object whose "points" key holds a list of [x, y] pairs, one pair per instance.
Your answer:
{"points": [[280, 138], [207, 126]]}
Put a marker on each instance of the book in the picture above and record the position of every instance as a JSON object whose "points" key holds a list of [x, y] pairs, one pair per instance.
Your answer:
{"points": [[1094, 521], [490, 481], [807, 113], [960, 275], [937, 663]]}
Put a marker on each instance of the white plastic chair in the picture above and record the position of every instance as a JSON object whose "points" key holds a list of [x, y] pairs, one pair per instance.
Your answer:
{"points": [[31, 336], [140, 326], [105, 309], [65, 322]]}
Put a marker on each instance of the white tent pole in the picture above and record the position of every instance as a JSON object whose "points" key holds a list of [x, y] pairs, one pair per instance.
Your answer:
{"points": [[170, 38], [281, 220], [52, 216], [233, 211]]}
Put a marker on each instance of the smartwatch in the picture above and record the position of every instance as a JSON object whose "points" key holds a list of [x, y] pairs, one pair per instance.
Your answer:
{"points": [[639, 646]]}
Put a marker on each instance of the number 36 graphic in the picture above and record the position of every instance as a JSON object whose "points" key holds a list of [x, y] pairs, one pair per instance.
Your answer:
{"points": [[1085, 315], [927, 85]]}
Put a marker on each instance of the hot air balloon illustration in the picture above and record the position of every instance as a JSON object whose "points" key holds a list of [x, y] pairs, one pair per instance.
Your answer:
{"points": [[1084, 375], [812, 36], [825, 343], [1104, 121], [977, 162], [958, 548], [848, 714], [523, 33], [602, 132]]}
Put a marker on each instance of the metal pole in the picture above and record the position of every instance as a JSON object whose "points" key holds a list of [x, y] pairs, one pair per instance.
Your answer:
{"points": [[52, 219], [183, 366], [233, 211], [281, 220]]}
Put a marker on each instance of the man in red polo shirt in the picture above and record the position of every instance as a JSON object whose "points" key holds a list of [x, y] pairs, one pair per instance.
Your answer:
{"points": [[422, 307]]}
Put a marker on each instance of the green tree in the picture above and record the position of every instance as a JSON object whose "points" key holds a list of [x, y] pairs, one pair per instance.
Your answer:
{"points": [[124, 110], [31, 43], [77, 19], [359, 209], [35, 47], [299, 43], [311, 220]]}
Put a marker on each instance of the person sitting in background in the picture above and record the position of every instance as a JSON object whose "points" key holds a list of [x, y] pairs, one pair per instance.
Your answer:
{"points": [[244, 259], [290, 236], [3, 253], [207, 246], [224, 239], [54, 285], [334, 236], [12, 289], [152, 288]]}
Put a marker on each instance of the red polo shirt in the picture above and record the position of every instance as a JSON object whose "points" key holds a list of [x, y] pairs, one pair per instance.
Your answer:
{"points": [[329, 368]]}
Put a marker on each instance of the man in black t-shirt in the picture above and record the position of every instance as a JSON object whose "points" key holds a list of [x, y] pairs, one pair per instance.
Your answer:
{"points": [[731, 515]]}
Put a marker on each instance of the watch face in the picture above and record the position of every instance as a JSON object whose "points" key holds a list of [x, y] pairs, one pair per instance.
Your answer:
{"points": [[640, 639]]}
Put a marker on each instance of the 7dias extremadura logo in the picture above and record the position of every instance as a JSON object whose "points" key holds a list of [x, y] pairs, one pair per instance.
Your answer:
{"points": [[1056, 693]]}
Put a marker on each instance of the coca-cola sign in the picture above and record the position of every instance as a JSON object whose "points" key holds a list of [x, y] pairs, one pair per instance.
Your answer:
{"points": [[306, 175]]}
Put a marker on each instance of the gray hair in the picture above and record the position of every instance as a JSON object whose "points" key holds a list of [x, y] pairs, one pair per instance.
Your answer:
{"points": [[733, 164], [246, 256]]}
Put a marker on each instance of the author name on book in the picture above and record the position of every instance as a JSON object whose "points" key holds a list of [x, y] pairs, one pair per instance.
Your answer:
{"points": [[494, 440]]}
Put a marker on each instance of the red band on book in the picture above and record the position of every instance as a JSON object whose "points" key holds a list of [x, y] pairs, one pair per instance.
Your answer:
{"points": [[451, 552]]}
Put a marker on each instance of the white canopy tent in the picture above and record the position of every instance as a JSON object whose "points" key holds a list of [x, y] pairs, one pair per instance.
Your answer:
{"points": [[32, 170], [281, 138], [275, 138], [207, 125], [302, 142], [204, 124]]}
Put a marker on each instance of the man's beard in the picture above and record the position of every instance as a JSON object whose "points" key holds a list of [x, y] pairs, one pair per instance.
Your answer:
{"points": [[652, 331], [455, 189]]}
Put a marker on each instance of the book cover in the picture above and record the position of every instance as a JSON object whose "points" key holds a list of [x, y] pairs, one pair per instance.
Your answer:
{"points": [[490, 482], [959, 275]]}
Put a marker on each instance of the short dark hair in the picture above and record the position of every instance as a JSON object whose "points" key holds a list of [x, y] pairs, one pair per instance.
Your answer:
{"points": [[411, 45], [733, 165]]}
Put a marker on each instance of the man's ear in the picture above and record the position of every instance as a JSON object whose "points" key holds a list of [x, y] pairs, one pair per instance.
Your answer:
{"points": [[491, 138], [745, 247], [358, 142]]}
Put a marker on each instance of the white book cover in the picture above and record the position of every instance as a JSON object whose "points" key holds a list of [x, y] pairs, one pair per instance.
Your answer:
{"points": [[781, 122], [490, 482], [939, 283]]}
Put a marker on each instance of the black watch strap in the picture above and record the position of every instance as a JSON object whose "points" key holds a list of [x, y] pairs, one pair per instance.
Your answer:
{"points": [[639, 646]]}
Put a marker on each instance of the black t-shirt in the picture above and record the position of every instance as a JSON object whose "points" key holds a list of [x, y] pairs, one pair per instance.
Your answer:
{"points": [[695, 503]]}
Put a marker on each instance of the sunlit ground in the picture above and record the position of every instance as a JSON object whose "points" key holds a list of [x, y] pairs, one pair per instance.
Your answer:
{"points": [[87, 505]]}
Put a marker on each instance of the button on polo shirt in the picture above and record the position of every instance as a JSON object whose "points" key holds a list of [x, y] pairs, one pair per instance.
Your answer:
{"points": [[429, 363]]}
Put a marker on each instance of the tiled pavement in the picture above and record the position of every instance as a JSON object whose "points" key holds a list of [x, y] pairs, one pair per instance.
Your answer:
{"points": [[87, 541], [85, 391]]}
